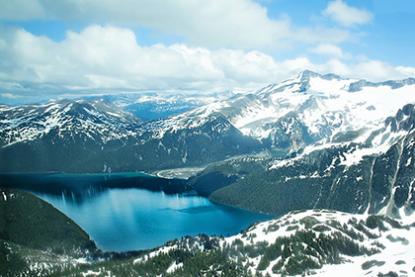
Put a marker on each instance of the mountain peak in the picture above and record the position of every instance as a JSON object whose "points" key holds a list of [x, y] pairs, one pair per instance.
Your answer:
{"points": [[307, 74], [302, 80]]}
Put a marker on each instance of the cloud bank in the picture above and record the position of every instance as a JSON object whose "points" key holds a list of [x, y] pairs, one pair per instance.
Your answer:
{"points": [[220, 45], [240, 24], [105, 57]]}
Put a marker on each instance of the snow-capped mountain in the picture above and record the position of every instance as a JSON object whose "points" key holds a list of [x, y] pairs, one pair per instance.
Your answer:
{"points": [[84, 120], [314, 108], [376, 175], [91, 136], [288, 118], [339, 143]]}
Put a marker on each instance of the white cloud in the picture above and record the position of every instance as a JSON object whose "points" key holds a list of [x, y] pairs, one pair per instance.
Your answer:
{"points": [[406, 70], [9, 95], [109, 58], [373, 70], [346, 15], [328, 50], [241, 24]]}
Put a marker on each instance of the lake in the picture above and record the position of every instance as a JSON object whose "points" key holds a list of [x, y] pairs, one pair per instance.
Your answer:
{"points": [[134, 219]]}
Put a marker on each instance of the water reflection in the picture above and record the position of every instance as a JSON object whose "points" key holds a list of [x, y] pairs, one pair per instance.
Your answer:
{"points": [[132, 219], [80, 186]]}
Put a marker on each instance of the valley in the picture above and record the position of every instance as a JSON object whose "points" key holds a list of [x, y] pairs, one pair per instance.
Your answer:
{"points": [[321, 165]]}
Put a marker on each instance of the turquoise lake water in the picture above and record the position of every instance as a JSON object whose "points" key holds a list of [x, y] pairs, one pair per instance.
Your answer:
{"points": [[134, 219]]}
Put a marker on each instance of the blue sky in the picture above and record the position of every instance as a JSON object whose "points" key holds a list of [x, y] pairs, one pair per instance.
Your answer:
{"points": [[68, 47], [390, 36]]}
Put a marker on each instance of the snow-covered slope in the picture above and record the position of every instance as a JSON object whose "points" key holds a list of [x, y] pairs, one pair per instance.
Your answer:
{"points": [[313, 108], [328, 100], [354, 173], [300, 243], [313, 242], [367, 245]]}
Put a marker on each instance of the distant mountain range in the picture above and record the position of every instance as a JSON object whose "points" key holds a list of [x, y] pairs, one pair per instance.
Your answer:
{"points": [[159, 105], [94, 135]]}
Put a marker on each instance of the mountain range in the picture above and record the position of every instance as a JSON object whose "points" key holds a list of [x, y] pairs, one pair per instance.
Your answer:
{"points": [[280, 119], [341, 143], [331, 158]]}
